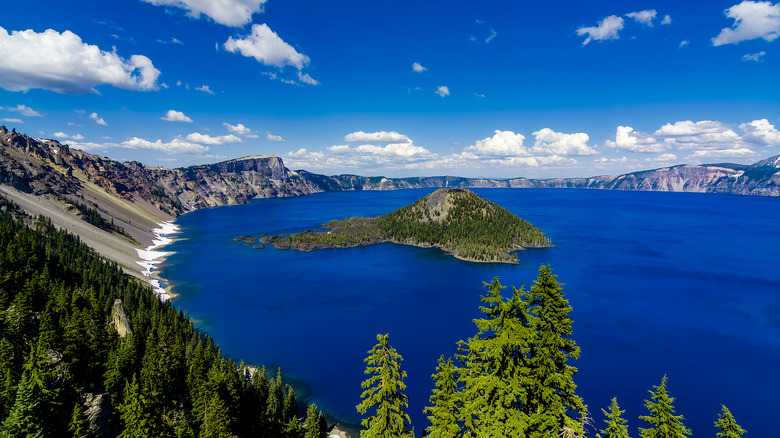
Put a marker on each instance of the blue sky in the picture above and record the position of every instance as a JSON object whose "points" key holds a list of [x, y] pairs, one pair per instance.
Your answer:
{"points": [[404, 88]]}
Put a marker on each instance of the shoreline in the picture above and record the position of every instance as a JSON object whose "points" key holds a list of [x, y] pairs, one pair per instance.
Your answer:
{"points": [[151, 257]]}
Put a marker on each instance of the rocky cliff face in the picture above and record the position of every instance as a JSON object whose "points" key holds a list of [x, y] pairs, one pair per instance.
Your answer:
{"points": [[48, 167]]}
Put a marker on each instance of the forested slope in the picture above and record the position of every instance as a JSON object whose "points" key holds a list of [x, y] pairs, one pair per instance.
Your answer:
{"points": [[65, 370]]}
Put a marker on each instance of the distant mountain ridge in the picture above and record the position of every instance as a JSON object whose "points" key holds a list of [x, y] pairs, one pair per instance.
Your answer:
{"points": [[27, 163], [51, 169], [115, 206]]}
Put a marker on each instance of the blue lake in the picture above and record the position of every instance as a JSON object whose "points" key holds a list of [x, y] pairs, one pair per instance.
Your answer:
{"points": [[677, 284]]}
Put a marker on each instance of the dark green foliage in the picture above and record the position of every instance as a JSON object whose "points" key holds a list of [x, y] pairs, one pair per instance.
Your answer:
{"points": [[136, 416], [78, 426], [25, 419], [513, 377], [727, 425], [290, 407], [473, 227], [495, 377], [552, 396], [383, 393], [661, 419], [57, 347], [314, 426], [444, 412], [616, 424]]}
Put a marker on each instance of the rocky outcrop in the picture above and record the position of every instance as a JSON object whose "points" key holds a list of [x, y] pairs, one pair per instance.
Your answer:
{"points": [[119, 320], [97, 409]]}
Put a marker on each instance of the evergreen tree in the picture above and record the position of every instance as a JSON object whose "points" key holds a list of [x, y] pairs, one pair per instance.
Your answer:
{"points": [[8, 377], [78, 426], [383, 393], [217, 418], [135, 418], [444, 409], [727, 425], [24, 421], [496, 375], [273, 409], [552, 399], [293, 429], [313, 427], [662, 421], [616, 424], [290, 406]]}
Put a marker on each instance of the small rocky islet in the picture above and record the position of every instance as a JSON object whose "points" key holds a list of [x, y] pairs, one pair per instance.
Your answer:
{"points": [[457, 221]]}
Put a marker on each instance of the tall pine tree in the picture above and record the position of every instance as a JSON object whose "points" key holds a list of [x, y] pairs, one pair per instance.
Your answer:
{"points": [[552, 400], [662, 421], [727, 425], [444, 411], [495, 376], [616, 424], [383, 393], [313, 426]]}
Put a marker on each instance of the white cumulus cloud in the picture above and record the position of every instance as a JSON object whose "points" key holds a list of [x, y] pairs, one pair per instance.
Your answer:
{"points": [[629, 140], [206, 139], [11, 120], [63, 63], [394, 149], [377, 137], [752, 20], [645, 17], [99, 120], [239, 129], [501, 144], [272, 137], [666, 21], [760, 132], [417, 67], [729, 153], [76, 137], [226, 12], [267, 48], [175, 146], [607, 29], [443, 91], [706, 138], [176, 116], [549, 142]]}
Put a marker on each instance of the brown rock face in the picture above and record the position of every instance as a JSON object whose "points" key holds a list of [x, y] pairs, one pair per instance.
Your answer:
{"points": [[119, 319]]}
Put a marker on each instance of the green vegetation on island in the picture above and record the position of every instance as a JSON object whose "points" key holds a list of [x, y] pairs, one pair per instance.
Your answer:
{"points": [[455, 220]]}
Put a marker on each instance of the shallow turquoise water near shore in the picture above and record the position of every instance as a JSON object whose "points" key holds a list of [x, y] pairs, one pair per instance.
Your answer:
{"points": [[686, 285]]}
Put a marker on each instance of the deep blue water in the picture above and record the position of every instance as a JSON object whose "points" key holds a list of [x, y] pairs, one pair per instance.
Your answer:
{"points": [[677, 284]]}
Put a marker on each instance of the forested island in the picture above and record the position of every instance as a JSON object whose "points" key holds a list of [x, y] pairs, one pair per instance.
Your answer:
{"points": [[456, 220]]}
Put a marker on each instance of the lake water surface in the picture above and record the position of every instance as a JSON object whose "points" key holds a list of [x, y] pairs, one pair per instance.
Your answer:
{"points": [[677, 284]]}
